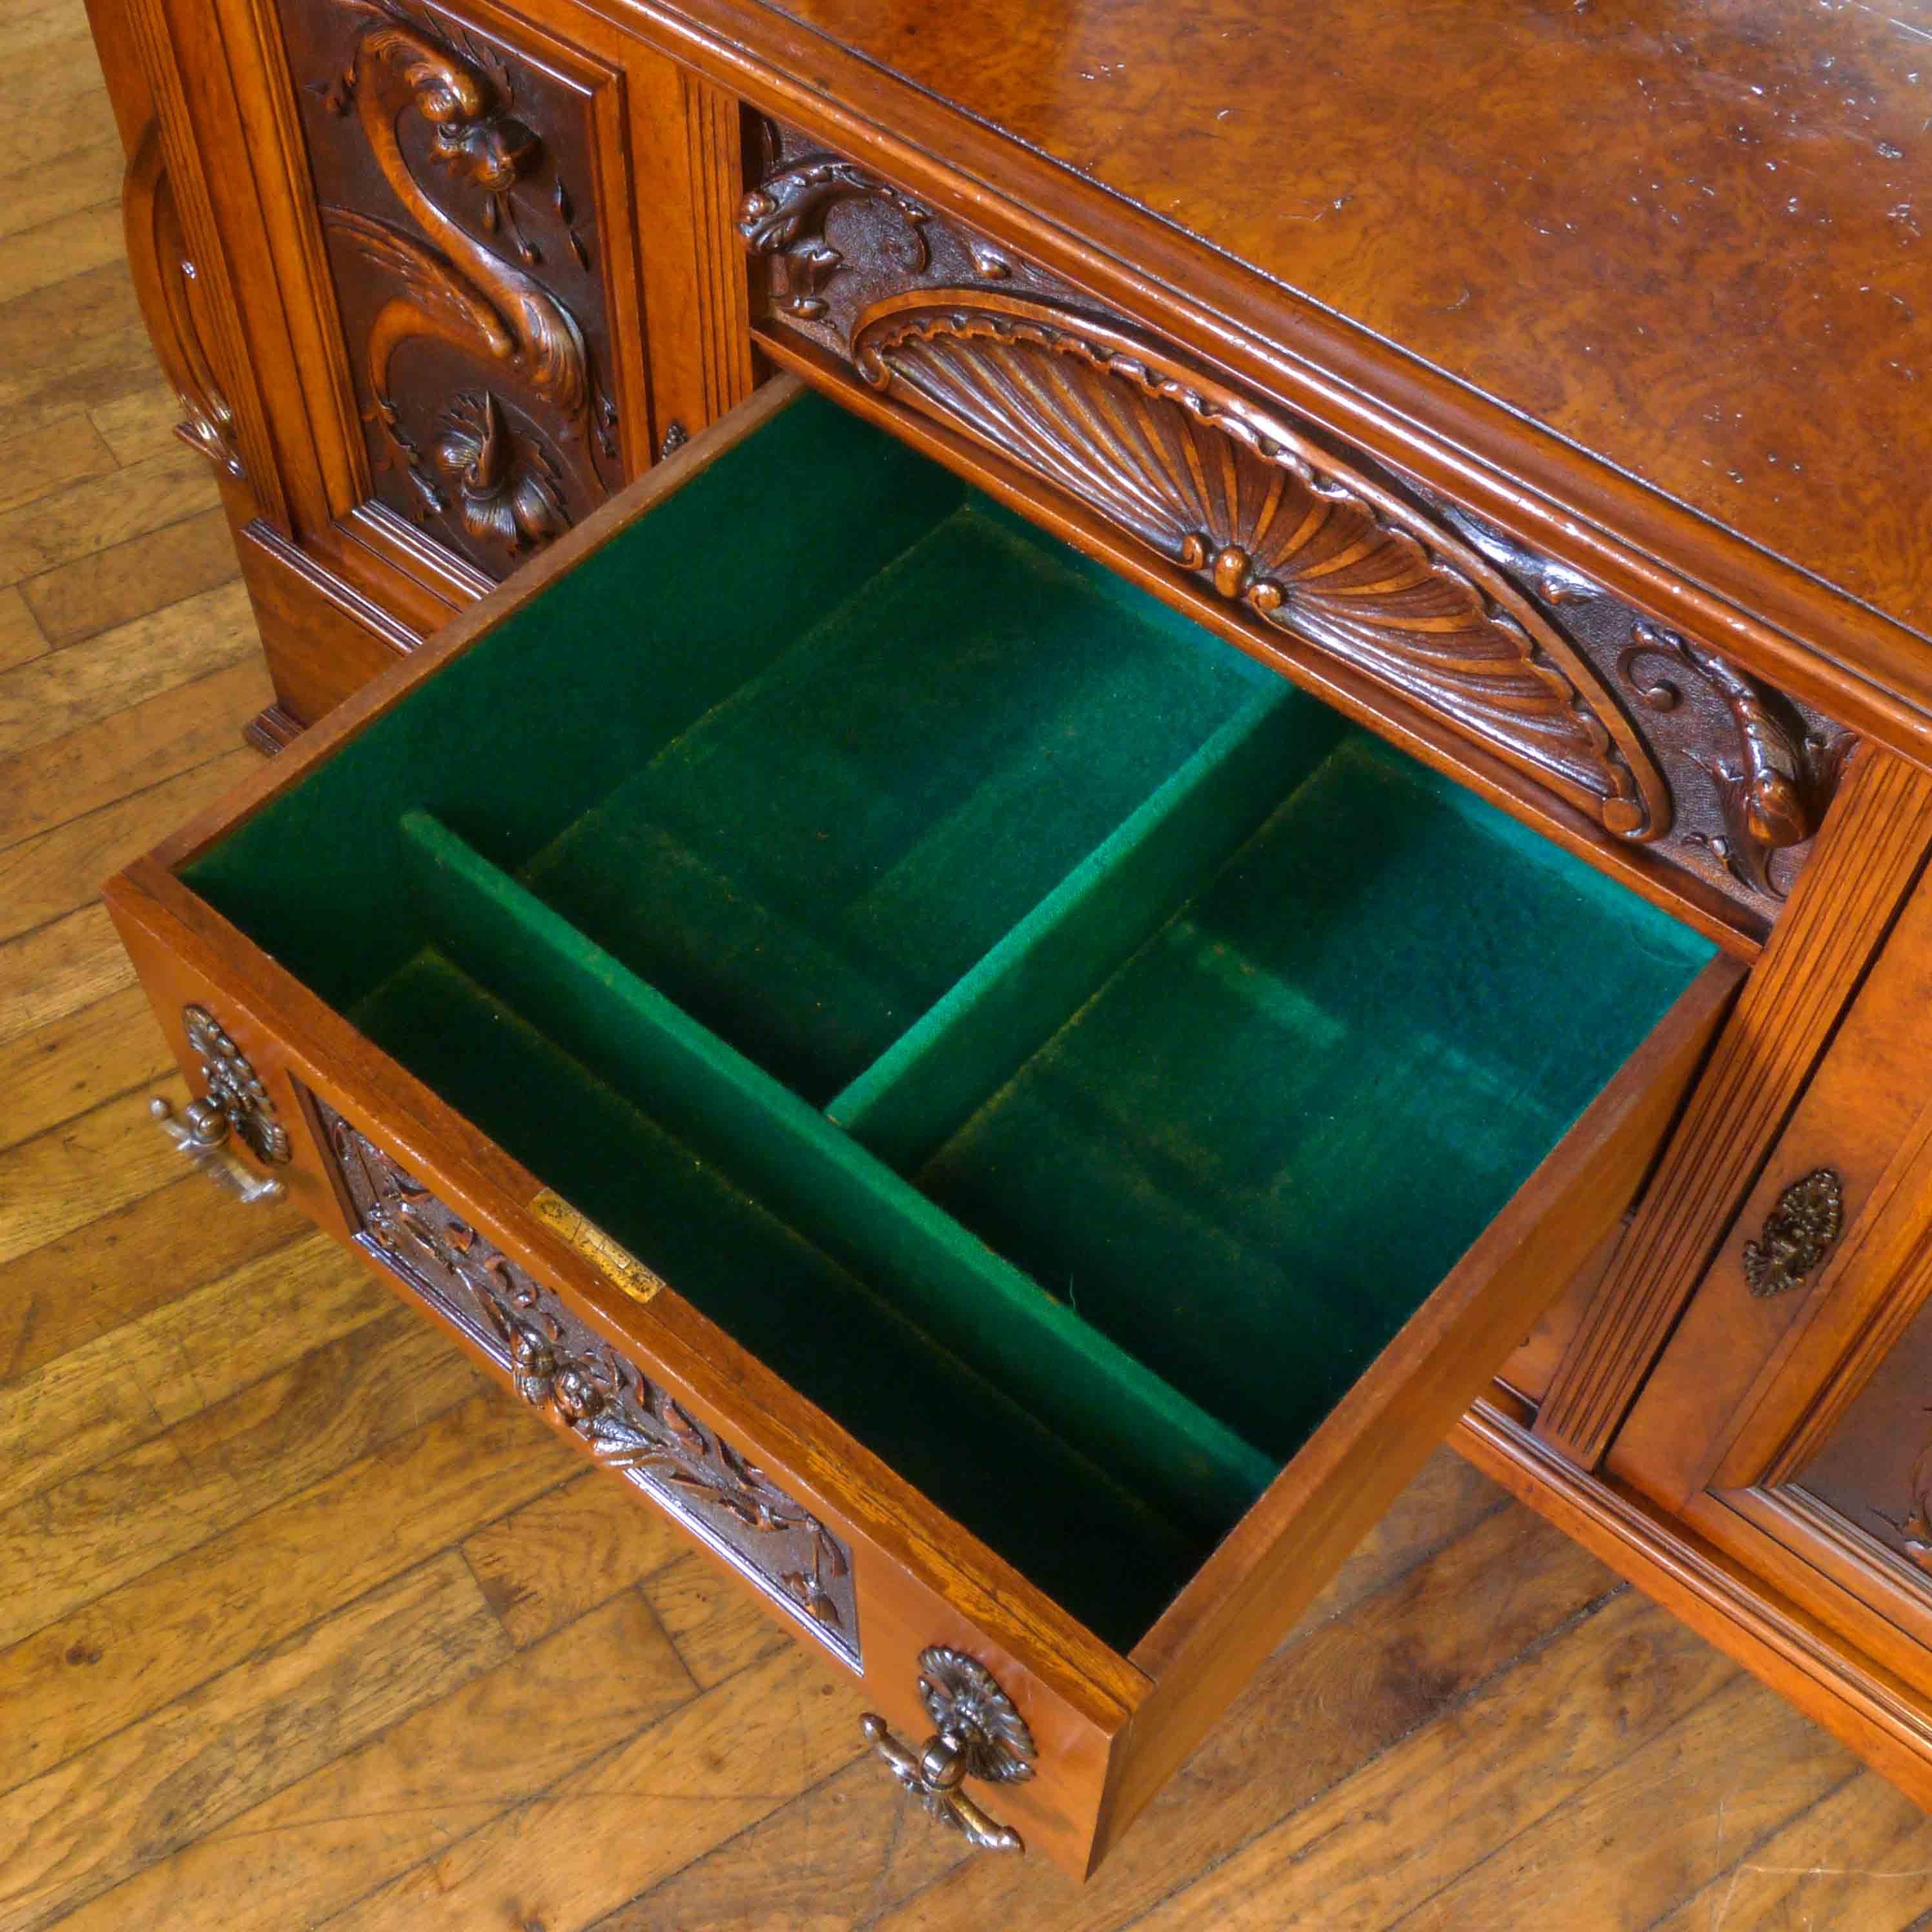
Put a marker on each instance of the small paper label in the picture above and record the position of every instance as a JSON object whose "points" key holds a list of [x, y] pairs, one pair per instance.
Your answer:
{"points": [[616, 1263]]}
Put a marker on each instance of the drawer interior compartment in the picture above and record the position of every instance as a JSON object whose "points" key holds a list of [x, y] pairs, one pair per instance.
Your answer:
{"points": [[1061, 1050]]}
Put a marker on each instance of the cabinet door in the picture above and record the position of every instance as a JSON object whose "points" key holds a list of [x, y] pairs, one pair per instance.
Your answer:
{"points": [[461, 275], [1789, 1422]]}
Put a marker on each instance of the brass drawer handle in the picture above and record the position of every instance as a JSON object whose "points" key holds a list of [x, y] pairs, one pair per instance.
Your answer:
{"points": [[199, 1134], [977, 1733]]}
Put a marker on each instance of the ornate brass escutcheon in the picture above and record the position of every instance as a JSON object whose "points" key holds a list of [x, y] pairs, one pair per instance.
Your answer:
{"points": [[237, 1102], [977, 1733], [1797, 1234]]}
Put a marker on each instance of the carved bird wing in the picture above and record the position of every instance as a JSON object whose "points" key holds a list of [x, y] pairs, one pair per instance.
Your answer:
{"points": [[432, 298]]}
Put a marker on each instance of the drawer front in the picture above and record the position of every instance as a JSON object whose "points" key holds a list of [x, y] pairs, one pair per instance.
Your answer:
{"points": [[1670, 763], [603, 1401], [609, 1357]]}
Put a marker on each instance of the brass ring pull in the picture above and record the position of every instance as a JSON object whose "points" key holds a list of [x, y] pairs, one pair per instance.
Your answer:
{"points": [[977, 1732], [199, 1134]]}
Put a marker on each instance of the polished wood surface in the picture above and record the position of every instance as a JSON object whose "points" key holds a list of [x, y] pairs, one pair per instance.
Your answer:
{"points": [[1689, 239], [439, 1656]]}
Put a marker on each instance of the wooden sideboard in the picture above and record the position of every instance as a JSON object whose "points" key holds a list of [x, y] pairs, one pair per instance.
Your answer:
{"points": [[1536, 388]]}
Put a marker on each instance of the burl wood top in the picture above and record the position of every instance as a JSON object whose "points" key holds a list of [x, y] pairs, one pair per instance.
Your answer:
{"points": [[1690, 238]]}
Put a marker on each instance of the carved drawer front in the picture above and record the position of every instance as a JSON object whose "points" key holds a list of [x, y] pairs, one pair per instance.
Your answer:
{"points": [[915, 1011], [622, 1420], [457, 170], [1672, 759]]}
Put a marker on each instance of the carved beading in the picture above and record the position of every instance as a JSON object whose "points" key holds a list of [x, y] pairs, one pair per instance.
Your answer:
{"points": [[557, 1363]]}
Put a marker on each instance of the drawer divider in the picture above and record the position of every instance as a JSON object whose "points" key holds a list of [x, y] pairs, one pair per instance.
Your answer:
{"points": [[912, 1100], [729, 1111]]}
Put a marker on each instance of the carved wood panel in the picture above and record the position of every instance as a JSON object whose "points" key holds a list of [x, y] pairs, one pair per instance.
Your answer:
{"points": [[1659, 741], [620, 1417], [454, 171]]}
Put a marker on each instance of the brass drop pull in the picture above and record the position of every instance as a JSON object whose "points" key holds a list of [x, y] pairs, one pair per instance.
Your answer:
{"points": [[199, 1133], [238, 1102], [977, 1733]]}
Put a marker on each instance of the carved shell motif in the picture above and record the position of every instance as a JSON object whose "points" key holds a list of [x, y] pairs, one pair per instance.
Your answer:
{"points": [[1274, 521]]}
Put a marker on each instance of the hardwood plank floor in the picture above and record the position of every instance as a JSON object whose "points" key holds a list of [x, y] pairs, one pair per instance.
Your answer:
{"points": [[301, 1624]]}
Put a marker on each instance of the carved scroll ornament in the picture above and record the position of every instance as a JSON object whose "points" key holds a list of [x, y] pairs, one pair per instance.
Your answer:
{"points": [[558, 1364], [165, 281], [1661, 742], [1774, 779], [1272, 521]]}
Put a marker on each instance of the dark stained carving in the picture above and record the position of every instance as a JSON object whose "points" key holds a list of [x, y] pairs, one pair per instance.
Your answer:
{"points": [[558, 1364], [784, 218], [1272, 520], [1774, 779], [235, 1087], [1751, 771], [1797, 1234], [507, 490], [467, 271]]}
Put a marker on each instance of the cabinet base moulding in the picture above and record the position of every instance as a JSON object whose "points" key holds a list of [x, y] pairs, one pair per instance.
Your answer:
{"points": [[1866, 1707]]}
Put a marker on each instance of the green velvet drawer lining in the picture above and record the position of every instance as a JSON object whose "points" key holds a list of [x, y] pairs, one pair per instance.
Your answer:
{"points": [[1073, 1528], [968, 1044], [829, 784], [785, 1153]]}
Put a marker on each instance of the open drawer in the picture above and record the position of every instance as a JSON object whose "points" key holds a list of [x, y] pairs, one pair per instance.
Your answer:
{"points": [[1016, 1125]]}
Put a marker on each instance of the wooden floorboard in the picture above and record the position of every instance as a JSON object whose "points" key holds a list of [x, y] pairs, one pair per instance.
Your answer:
{"points": [[302, 1623]]}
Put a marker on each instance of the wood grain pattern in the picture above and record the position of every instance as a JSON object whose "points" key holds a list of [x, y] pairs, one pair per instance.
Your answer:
{"points": [[1456, 1597], [1871, 850], [1563, 212]]}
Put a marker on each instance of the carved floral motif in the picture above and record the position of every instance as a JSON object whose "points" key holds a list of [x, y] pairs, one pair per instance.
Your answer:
{"points": [[557, 1363], [508, 490]]}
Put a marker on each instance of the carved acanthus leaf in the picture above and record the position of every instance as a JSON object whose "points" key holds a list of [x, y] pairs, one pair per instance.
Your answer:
{"points": [[1273, 521], [1775, 783], [507, 488], [784, 217]]}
